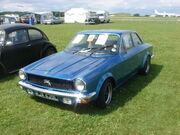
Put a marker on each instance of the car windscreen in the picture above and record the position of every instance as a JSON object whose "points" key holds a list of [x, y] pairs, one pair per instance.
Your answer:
{"points": [[94, 43], [2, 37]]}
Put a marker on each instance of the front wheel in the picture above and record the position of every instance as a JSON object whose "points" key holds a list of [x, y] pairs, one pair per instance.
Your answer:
{"points": [[145, 70], [3, 72], [105, 95]]}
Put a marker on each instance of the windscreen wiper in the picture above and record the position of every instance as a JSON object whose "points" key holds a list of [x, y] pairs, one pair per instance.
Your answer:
{"points": [[101, 49]]}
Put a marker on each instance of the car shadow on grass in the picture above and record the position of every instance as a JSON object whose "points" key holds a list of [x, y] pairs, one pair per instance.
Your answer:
{"points": [[7, 77], [121, 96]]}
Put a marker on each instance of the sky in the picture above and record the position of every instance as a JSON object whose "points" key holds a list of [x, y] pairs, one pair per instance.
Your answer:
{"points": [[113, 6]]}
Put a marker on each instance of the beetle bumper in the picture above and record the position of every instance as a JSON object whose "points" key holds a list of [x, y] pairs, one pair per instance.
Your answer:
{"points": [[65, 97]]}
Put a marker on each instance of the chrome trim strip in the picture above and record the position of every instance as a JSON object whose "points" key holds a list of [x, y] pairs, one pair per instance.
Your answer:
{"points": [[57, 93]]}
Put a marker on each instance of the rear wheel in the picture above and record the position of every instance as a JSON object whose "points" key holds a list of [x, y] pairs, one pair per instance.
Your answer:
{"points": [[105, 95]]}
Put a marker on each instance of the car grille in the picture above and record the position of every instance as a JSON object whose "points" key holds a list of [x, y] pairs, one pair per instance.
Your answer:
{"points": [[51, 82]]}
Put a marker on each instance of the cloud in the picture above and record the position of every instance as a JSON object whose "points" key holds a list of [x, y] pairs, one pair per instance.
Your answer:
{"points": [[174, 2], [18, 7], [63, 5]]}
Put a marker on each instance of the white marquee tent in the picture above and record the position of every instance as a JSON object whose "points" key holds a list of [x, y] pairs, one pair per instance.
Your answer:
{"points": [[74, 15]]}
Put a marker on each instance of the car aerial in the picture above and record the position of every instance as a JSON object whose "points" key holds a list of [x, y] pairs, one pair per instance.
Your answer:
{"points": [[92, 66], [20, 45]]}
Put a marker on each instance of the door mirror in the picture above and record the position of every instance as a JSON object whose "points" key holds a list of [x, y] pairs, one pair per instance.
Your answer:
{"points": [[9, 43]]}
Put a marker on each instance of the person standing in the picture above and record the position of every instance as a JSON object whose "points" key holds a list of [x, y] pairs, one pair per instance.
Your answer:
{"points": [[30, 20], [1, 20]]}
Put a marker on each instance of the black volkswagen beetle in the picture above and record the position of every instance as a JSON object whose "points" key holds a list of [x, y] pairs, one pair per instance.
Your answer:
{"points": [[22, 44]]}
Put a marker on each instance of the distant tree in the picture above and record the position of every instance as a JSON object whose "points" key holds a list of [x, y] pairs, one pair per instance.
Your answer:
{"points": [[137, 14], [14, 12], [121, 14]]}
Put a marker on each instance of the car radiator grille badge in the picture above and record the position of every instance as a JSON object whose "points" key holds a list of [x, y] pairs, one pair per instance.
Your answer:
{"points": [[47, 82]]}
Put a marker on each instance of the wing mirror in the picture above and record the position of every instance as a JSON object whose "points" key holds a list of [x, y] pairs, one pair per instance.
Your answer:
{"points": [[9, 43]]}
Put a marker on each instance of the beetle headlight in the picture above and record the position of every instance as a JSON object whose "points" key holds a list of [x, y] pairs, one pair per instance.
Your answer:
{"points": [[80, 84], [22, 74]]}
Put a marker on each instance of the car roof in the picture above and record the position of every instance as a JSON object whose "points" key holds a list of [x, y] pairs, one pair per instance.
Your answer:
{"points": [[9, 27], [113, 31]]}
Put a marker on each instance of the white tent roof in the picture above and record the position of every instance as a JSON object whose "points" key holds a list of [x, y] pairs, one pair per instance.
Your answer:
{"points": [[41, 13], [77, 10]]}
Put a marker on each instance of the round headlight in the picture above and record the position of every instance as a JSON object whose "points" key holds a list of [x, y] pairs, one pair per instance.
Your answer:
{"points": [[79, 84], [22, 74]]}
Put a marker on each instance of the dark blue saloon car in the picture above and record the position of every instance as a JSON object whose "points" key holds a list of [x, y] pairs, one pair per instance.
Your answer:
{"points": [[93, 65]]}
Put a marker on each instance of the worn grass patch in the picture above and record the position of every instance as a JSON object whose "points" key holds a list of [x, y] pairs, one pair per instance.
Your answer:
{"points": [[144, 105]]}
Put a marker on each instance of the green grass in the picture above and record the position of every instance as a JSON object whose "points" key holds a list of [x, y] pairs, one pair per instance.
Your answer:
{"points": [[144, 105]]}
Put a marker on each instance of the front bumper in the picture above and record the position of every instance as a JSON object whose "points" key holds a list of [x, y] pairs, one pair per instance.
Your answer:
{"points": [[65, 97], [48, 22], [152, 56], [90, 23]]}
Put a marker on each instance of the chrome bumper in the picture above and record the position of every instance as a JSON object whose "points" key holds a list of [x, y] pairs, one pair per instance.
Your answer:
{"points": [[79, 96], [152, 56], [89, 22]]}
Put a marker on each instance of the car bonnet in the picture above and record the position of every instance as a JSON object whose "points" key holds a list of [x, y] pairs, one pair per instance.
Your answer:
{"points": [[66, 65]]}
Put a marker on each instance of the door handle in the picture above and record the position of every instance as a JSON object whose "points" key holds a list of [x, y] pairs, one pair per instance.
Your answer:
{"points": [[28, 45]]}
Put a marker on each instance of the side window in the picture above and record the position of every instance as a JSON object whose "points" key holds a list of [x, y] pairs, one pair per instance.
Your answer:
{"points": [[136, 39], [34, 34], [17, 37], [127, 41]]}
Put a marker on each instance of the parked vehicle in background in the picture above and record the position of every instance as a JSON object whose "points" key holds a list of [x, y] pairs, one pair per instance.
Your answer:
{"points": [[42, 16], [24, 20], [20, 45], [31, 16], [92, 18], [91, 67], [53, 20], [103, 16], [8, 20]]}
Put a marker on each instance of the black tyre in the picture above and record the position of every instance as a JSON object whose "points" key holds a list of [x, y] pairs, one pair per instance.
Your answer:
{"points": [[2, 72], [49, 51], [105, 95], [145, 70]]}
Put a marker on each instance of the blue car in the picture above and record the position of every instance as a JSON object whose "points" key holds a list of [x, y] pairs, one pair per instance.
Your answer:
{"points": [[89, 69]]}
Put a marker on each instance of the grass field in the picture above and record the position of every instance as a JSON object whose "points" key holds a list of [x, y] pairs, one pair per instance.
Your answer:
{"points": [[144, 105]]}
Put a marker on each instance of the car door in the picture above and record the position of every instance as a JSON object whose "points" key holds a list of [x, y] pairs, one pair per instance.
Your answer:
{"points": [[15, 50], [138, 47], [36, 43], [128, 55]]}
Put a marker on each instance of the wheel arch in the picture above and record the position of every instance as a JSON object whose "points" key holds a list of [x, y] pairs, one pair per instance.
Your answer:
{"points": [[45, 47], [102, 80], [145, 58]]}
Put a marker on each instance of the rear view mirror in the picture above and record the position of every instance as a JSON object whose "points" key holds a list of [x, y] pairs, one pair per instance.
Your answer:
{"points": [[9, 43]]}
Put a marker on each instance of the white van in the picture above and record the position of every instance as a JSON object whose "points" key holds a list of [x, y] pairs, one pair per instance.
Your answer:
{"points": [[103, 16]]}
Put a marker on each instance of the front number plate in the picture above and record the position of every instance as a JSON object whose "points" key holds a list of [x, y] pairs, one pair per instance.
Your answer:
{"points": [[47, 96]]}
